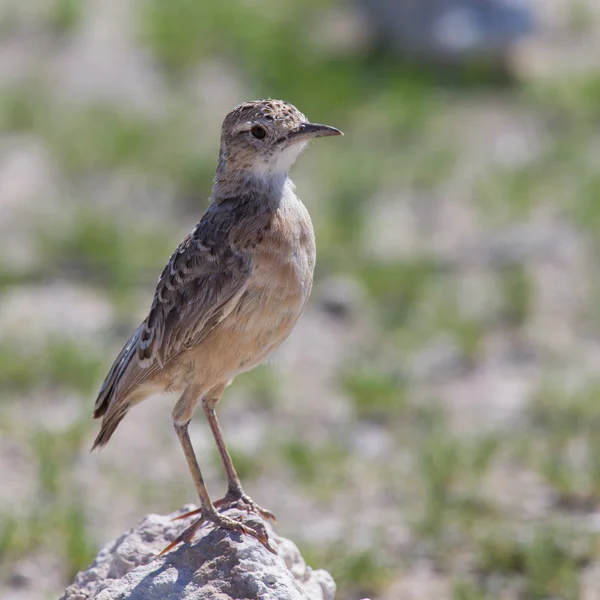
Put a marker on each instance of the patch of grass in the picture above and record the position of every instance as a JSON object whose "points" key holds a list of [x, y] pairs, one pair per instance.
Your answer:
{"points": [[60, 362], [11, 277], [12, 544], [70, 366], [557, 410], [56, 520], [358, 574], [302, 459], [546, 561], [343, 227], [361, 574], [79, 547], [439, 463], [56, 452], [432, 168], [571, 100], [16, 371], [449, 470], [509, 194], [398, 287], [184, 32], [584, 209], [562, 443], [58, 526], [102, 136], [262, 383], [464, 589], [179, 32], [320, 467], [65, 15], [374, 394], [516, 293], [20, 108], [97, 247], [350, 176], [247, 465], [581, 16], [469, 336], [467, 333]]}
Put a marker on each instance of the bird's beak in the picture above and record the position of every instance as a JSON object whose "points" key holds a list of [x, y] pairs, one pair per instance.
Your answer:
{"points": [[309, 131]]}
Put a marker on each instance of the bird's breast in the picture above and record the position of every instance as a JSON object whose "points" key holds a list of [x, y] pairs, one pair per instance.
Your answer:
{"points": [[282, 275], [274, 298]]}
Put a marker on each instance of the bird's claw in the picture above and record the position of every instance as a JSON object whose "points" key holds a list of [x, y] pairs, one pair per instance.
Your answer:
{"points": [[218, 520], [187, 536], [243, 502]]}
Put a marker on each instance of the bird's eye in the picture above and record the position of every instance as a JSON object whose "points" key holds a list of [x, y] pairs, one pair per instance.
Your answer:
{"points": [[258, 132]]}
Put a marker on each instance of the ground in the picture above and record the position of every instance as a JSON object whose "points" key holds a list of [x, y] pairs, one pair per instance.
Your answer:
{"points": [[429, 429]]}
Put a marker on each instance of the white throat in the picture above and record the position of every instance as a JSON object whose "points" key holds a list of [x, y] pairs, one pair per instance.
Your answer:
{"points": [[279, 163]]}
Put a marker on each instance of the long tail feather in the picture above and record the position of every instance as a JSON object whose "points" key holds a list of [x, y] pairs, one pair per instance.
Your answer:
{"points": [[107, 391], [109, 424]]}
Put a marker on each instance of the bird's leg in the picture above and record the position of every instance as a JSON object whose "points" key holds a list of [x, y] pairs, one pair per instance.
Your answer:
{"points": [[207, 509], [235, 494]]}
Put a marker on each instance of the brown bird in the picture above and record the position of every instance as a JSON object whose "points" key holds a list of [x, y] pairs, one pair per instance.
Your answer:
{"points": [[228, 297]]}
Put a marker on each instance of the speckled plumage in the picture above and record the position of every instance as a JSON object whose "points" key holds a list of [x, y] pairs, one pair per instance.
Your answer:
{"points": [[233, 289]]}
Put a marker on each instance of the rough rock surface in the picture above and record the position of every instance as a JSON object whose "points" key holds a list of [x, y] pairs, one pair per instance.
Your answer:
{"points": [[217, 565]]}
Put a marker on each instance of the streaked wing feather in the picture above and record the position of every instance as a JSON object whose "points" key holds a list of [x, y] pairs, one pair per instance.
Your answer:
{"points": [[200, 285]]}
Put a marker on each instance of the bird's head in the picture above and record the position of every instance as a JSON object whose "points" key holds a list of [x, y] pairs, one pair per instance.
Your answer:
{"points": [[265, 137]]}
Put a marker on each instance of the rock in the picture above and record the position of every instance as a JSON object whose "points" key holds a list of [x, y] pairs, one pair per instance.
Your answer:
{"points": [[450, 31], [217, 565]]}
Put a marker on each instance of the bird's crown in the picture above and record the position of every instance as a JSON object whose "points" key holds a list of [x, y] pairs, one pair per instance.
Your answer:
{"points": [[278, 112]]}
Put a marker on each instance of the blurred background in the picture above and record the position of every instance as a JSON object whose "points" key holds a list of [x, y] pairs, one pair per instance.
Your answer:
{"points": [[429, 431]]}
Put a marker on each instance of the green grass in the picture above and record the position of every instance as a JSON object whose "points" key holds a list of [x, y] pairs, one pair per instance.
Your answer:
{"points": [[12, 543], [78, 546], [464, 589], [562, 444], [58, 363], [398, 288], [55, 521], [448, 470], [515, 294], [361, 574], [510, 194], [95, 246], [546, 561], [262, 385], [20, 108], [358, 574], [66, 15], [375, 395], [247, 465], [439, 463], [319, 468]]}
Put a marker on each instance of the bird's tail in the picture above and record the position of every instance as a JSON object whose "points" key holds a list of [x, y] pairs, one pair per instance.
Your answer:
{"points": [[111, 402], [109, 423]]}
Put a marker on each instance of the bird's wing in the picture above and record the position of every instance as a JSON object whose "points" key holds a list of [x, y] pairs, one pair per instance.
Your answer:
{"points": [[200, 285]]}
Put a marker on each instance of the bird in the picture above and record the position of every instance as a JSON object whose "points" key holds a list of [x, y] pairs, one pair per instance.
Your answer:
{"points": [[228, 297]]}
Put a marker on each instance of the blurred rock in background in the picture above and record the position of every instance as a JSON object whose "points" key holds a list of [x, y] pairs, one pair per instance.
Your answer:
{"points": [[451, 32]]}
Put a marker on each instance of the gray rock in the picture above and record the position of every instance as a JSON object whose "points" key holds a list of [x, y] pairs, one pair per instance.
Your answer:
{"points": [[448, 31], [217, 565]]}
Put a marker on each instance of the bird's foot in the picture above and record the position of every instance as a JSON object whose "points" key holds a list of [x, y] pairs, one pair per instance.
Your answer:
{"points": [[234, 499], [218, 520], [240, 500]]}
